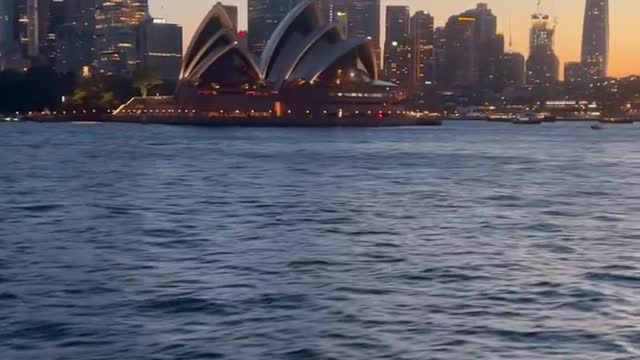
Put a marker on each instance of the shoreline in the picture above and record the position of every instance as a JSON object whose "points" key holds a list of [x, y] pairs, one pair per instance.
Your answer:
{"points": [[244, 121]]}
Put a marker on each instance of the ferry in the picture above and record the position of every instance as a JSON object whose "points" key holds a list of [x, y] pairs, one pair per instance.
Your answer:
{"points": [[529, 118]]}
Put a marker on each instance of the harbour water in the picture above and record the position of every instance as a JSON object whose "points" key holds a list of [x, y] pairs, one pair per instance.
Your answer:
{"points": [[469, 241]]}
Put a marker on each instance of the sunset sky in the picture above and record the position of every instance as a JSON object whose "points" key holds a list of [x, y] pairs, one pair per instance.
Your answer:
{"points": [[625, 43]]}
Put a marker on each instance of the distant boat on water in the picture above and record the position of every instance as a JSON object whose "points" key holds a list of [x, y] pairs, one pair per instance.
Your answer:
{"points": [[529, 118], [617, 120]]}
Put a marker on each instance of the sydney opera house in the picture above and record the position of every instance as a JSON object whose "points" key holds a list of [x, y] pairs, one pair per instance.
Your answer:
{"points": [[308, 71]]}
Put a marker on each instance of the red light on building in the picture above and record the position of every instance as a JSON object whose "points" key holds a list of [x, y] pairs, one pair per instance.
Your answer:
{"points": [[242, 34]]}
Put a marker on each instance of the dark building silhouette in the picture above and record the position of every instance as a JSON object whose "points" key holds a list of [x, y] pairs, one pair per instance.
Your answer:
{"points": [[74, 39], [363, 18], [32, 25], [439, 55], [398, 47], [573, 73], [460, 65], [421, 34], [264, 17], [160, 48], [473, 50], [73, 48], [513, 69], [8, 20], [57, 17], [595, 39]]}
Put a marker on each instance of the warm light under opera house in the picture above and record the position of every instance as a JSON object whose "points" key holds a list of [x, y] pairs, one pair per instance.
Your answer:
{"points": [[307, 68]]}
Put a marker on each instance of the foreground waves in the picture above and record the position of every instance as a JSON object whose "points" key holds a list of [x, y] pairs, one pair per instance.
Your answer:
{"points": [[471, 241]]}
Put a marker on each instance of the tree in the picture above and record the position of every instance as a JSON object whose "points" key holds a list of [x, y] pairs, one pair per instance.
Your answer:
{"points": [[144, 79]]}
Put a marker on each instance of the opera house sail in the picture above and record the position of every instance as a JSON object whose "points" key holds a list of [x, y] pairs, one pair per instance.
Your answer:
{"points": [[308, 70]]}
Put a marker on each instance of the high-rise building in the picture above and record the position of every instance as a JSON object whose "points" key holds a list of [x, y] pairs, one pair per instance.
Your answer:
{"points": [[573, 73], [513, 69], [73, 48], [264, 17], [74, 39], [32, 25], [115, 34], [81, 12], [342, 19], [595, 39], [398, 22], [7, 26], [473, 50], [160, 47], [397, 49], [542, 64], [421, 34], [486, 23], [364, 19], [57, 17], [460, 65], [488, 45], [439, 55]]}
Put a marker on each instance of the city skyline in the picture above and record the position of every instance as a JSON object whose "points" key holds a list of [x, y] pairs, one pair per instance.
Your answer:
{"points": [[624, 54]]}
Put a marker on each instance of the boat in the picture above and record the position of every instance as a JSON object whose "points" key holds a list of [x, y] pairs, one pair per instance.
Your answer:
{"points": [[528, 118], [617, 120], [597, 127]]}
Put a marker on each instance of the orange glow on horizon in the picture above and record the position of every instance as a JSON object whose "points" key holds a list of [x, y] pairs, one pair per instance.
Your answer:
{"points": [[513, 18]]}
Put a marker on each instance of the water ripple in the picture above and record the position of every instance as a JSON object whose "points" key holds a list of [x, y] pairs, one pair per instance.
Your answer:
{"points": [[473, 241]]}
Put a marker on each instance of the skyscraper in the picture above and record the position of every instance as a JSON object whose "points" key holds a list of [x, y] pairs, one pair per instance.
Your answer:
{"points": [[397, 48], [116, 22], [460, 65], [573, 73], [364, 19], [32, 26], [81, 12], [7, 26], [264, 17], [512, 72], [160, 47], [439, 55], [488, 45], [421, 33], [74, 39], [542, 64], [595, 39], [397, 23]]}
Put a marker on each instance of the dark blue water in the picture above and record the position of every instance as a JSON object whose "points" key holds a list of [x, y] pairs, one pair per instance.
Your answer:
{"points": [[470, 241]]}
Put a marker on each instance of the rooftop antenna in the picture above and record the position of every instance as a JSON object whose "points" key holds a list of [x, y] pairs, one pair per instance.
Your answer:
{"points": [[510, 37], [555, 15]]}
